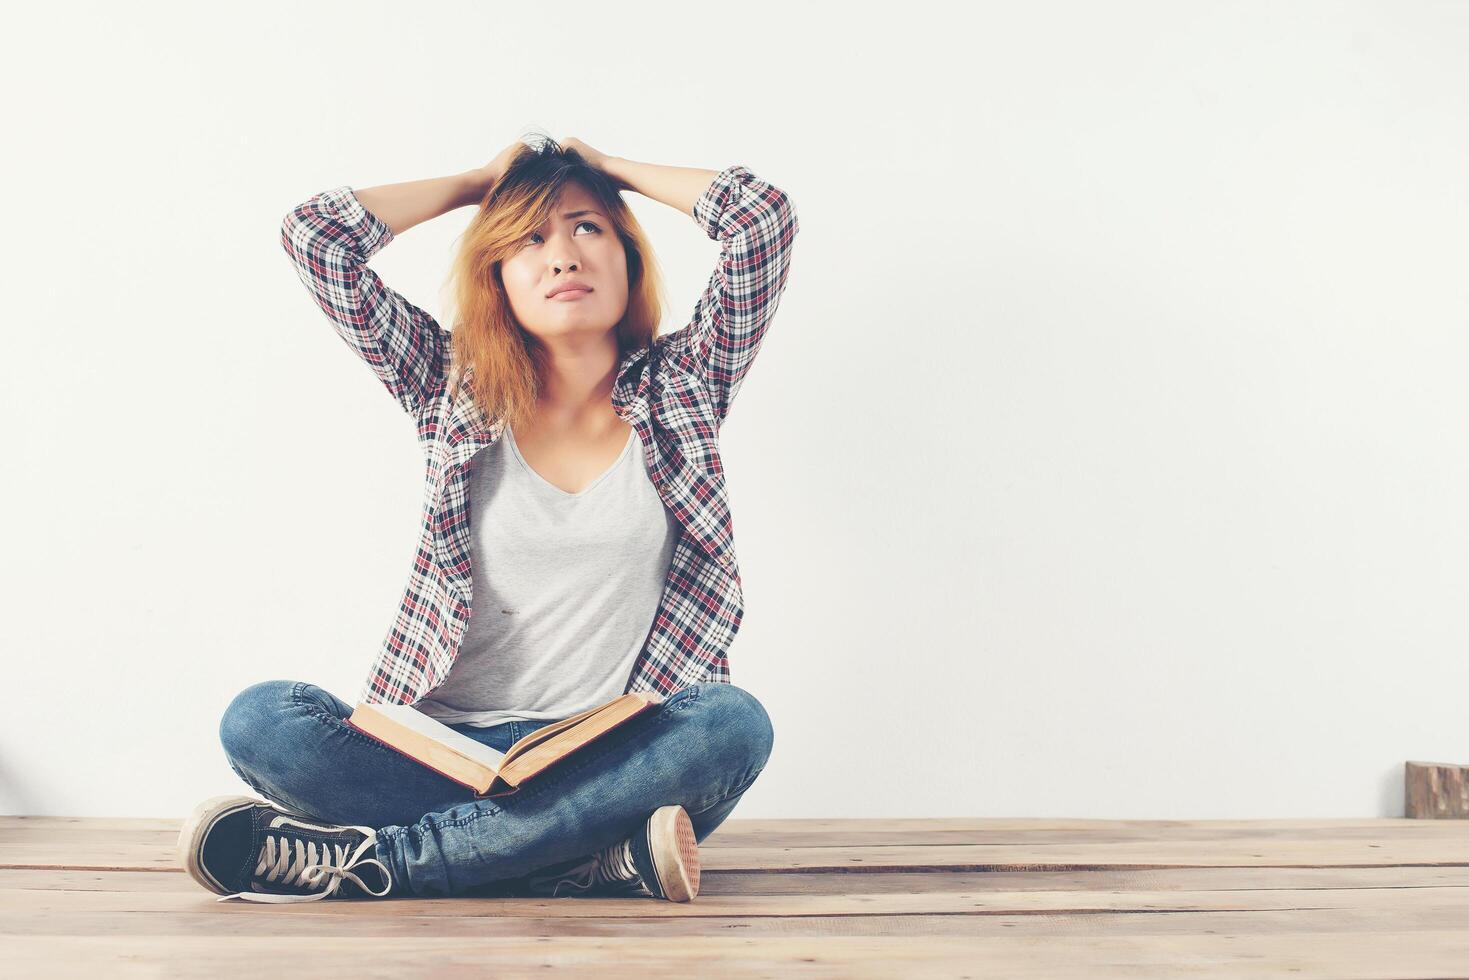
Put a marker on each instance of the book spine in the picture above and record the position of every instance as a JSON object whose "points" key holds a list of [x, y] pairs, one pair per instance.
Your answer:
{"points": [[491, 793]]}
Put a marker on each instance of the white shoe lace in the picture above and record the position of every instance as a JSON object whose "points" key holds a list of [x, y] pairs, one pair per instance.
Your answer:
{"points": [[612, 865], [304, 865]]}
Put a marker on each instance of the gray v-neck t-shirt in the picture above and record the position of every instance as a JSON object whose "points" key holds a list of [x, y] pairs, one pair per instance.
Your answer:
{"points": [[566, 586]]}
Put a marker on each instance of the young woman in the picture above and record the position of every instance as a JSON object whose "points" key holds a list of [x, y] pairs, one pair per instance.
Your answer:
{"points": [[576, 544]]}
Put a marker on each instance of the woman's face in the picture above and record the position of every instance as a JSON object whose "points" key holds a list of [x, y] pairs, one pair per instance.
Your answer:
{"points": [[578, 244]]}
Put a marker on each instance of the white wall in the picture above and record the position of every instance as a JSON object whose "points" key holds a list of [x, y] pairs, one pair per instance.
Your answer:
{"points": [[1157, 511]]}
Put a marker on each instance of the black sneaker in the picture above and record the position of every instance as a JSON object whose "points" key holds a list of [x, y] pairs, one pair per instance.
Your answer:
{"points": [[660, 861], [242, 847]]}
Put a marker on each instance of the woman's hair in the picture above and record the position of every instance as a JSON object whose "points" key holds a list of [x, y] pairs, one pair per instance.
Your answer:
{"points": [[502, 361]]}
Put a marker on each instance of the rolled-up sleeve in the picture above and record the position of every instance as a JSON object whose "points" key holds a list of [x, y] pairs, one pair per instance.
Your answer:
{"points": [[329, 239], [755, 225]]}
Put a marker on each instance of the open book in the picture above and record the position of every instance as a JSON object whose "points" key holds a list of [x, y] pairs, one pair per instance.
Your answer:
{"points": [[483, 769]]}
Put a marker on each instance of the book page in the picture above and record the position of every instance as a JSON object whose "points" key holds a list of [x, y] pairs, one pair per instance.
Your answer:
{"points": [[410, 717], [551, 730], [535, 738], [532, 754], [538, 736]]}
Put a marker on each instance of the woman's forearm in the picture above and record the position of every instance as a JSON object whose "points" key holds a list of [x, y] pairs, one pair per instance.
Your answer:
{"points": [[677, 187], [401, 206]]}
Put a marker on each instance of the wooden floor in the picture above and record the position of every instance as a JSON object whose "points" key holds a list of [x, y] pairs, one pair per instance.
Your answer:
{"points": [[835, 898]]}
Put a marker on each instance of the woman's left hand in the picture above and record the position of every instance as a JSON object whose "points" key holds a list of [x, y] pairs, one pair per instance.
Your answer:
{"points": [[594, 157]]}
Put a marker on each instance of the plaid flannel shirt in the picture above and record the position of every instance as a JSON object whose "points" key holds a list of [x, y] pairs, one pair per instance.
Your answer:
{"points": [[675, 392]]}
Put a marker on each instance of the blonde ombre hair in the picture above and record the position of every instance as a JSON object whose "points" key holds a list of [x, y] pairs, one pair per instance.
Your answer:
{"points": [[500, 359]]}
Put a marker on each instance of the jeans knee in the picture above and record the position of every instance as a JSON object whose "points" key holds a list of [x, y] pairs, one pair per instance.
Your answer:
{"points": [[741, 721], [254, 711]]}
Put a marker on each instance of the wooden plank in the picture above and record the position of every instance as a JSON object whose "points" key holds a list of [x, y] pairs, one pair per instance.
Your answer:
{"points": [[18, 906], [880, 882], [913, 898], [104, 853], [731, 834], [761, 828], [1367, 954], [386, 932]]}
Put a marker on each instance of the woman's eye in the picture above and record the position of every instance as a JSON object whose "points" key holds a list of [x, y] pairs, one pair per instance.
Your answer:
{"points": [[593, 225]]}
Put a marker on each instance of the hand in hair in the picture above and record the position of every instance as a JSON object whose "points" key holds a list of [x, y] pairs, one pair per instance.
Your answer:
{"points": [[495, 169], [595, 158]]}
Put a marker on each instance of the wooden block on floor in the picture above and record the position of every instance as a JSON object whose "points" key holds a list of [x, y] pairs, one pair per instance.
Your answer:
{"points": [[1436, 791]]}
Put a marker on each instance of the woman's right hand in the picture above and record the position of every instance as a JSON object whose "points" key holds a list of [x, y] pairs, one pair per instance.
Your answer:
{"points": [[491, 172]]}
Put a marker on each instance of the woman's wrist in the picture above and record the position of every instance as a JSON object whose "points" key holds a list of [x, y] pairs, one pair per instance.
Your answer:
{"points": [[474, 185], [677, 187]]}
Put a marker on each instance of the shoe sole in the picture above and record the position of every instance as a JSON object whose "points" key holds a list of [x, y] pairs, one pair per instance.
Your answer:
{"points": [[675, 853], [197, 825]]}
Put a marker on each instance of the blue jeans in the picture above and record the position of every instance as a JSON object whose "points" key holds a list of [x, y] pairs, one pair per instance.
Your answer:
{"points": [[701, 748]]}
